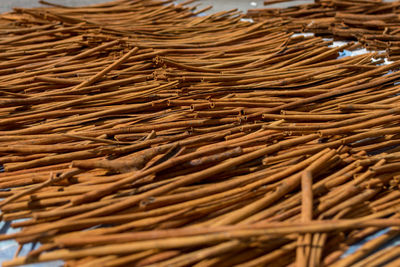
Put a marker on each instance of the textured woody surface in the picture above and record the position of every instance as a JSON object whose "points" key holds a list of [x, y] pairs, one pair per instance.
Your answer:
{"points": [[218, 5], [138, 133], [375, 24]]}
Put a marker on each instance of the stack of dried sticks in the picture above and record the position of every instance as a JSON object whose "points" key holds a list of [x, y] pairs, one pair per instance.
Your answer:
{"points": [[135, 133], [374, 23]]}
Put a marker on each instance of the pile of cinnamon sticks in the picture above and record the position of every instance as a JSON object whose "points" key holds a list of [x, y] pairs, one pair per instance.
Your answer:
{"points": [[374, 23], [136, 133]]}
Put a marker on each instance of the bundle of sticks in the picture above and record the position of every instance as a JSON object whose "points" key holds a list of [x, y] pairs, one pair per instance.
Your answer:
{"points": [[374, 23], [136, 133]]}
